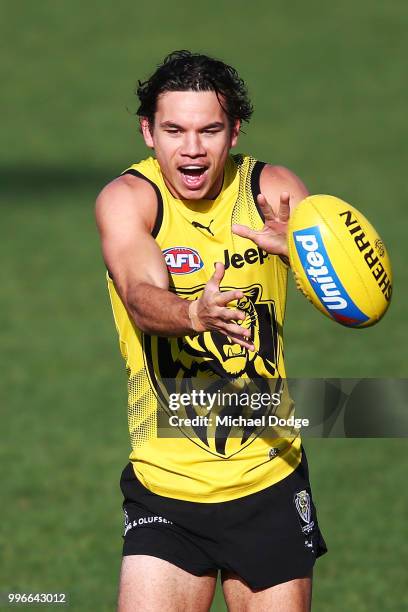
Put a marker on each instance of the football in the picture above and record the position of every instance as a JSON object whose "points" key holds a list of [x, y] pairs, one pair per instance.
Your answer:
{"points": [[339, 261]]}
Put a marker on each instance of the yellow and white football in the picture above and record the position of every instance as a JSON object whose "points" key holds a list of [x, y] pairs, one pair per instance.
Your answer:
{"points": [[339, 261]]}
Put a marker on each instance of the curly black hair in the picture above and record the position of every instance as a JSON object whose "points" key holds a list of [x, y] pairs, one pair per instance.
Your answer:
{"points": [[186, 71]]}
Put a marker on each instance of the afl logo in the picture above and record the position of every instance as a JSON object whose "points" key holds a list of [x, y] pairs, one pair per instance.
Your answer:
{"points": [[182, 260]]}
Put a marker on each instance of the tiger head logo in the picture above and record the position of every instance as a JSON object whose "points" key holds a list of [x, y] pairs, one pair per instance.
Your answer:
{"points": [[214, 359], [212, 351], [220, 352]]}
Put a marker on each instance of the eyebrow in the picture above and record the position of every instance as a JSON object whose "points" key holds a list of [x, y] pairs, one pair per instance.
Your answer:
{"points": [[209, 126]]}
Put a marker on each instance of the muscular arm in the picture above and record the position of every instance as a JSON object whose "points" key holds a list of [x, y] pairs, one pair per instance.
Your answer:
{"points": [[125, 213]]}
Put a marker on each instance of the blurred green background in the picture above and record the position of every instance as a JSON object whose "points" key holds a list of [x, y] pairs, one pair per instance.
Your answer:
{"points": [[328, 81]]}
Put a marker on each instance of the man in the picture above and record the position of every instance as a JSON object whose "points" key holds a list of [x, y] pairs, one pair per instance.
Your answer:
{"points": [[194, 241]]}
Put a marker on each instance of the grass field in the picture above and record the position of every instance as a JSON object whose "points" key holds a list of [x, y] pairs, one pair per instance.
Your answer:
{"points": [[329, 88]]}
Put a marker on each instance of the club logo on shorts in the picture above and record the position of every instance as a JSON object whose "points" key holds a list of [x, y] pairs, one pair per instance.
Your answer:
{"points": [[182, 260], [304, 508]]}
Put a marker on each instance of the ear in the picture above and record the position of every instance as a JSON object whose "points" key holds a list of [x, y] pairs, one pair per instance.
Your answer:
{"points": [[146, 131], [235, 132]]}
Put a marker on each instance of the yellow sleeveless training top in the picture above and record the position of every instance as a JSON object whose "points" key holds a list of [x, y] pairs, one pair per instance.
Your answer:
{"points": [[218, 454]]}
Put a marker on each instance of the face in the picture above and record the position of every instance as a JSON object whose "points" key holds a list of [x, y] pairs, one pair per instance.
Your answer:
{"points": [[191, 137]]}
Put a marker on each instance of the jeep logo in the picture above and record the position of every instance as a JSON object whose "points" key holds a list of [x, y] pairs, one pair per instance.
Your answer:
{"points": [[250, 256]]}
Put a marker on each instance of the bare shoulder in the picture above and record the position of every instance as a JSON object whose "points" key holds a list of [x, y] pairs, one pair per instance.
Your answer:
{"points": [[127, 199], [275, 179], [126, 211]]}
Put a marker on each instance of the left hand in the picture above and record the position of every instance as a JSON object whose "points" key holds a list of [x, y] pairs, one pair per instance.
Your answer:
{"points": [[273, 236]]}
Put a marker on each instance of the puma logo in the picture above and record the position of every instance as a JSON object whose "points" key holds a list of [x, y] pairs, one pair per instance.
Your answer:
{"points": [[204, 227]]}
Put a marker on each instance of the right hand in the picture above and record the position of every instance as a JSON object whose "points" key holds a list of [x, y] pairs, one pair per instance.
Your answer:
{"points": [[215, 316], [273, 236]]}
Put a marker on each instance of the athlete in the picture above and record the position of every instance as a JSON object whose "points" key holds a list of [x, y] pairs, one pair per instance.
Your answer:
{"points": [[194, 241]]}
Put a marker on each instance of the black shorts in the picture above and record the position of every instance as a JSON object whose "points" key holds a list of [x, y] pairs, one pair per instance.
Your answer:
{"points": [[266, 538]]}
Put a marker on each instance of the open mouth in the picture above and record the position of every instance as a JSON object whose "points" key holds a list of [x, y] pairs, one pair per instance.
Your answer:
{"points": [[193, 175]]}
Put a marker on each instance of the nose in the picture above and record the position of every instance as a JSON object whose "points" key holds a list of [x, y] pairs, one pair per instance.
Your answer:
{"points": [[192, 145]]}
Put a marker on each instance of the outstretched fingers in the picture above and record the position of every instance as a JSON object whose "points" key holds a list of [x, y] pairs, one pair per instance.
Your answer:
{"points": [[266, 208], [235, 333], [225, 297], [218, 275], [244, 231], [214, 313], [232, 314], [284, 208]]}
